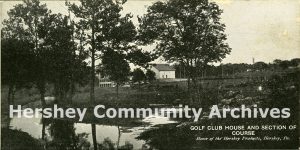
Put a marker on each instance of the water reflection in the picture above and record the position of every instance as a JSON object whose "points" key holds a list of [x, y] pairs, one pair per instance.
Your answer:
{"points": [[112, 134], [93, 126], [62, 136], [65, 135], [157, 133]]}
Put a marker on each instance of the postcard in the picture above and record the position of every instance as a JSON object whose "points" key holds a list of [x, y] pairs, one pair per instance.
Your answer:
{"points": [[150, 74]]}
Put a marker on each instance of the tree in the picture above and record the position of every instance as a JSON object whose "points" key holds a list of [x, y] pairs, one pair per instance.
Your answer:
{"points": [[260, 66], [65, 65], [284, 64], [295, 62], [186, 31], [150, 75], [138, 76], [140, 58], [62, 134], [16, 64], [24, 22], [116, 68], [53, 47], [102, 27]]}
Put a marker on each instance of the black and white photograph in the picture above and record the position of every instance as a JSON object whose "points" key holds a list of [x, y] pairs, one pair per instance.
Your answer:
{"points": [[150, 74]]}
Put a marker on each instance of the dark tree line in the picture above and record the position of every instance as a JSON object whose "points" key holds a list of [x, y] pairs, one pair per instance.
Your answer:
{"points": [[15, 69], [42, 45], [231, 69], [54, 49]]}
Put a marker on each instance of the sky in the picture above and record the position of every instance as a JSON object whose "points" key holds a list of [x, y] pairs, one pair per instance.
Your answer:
{"points": [[261, 29]]}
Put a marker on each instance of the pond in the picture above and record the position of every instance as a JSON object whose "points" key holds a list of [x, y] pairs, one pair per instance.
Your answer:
{"points": [[60, 130], [152, 132]]}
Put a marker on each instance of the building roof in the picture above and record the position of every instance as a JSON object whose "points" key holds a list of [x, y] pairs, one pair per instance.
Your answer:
{"points": [[163, 67]]}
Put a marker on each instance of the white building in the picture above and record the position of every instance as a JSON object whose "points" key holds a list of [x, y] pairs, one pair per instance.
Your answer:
{"points": [[104, 81], [163, 71]]}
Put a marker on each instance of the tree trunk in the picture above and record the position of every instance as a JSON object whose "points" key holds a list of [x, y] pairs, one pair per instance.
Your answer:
{"points": [[56, 93], [13, 92], [94, 136], [42, 93], [42, 90], [92, 92], [6, 108], [189, 76], [10, 89], [189, 84], [139, 86], [71, 93], [117, 89], [43, 131], [119, 137], [196, 90]]}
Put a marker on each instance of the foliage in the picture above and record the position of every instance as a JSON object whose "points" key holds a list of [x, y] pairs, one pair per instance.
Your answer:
{"points": [[16, 62], [189, 32], [24, 23], [62, 134], [283, 90], [25, 20], [150, 75], [102, 28], [232, 69], [138, 75], [65, 66], [15, 139], [285, 64], [115, 67], [260, 66], [177, 138], [53, 57], [140, 58]]}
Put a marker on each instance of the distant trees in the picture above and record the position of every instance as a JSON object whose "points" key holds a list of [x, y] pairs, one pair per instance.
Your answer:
{"points": [[115, 67], [138, 76], [260, 66], [150, 75], [230, 69], [285, 64], [283, 92], [295, 62], [140, 58]]}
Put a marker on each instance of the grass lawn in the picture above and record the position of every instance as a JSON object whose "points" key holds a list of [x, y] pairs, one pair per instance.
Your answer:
{"points": [[128, 96]]}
